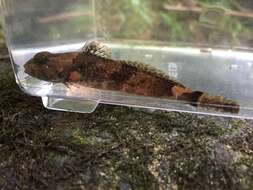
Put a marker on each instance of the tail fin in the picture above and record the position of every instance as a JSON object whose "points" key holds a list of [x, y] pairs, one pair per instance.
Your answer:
{"points": [[219, 103], [201, 99]]}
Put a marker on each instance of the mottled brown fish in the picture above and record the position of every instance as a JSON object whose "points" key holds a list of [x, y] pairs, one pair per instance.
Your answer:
{"points": [[95, 68]]}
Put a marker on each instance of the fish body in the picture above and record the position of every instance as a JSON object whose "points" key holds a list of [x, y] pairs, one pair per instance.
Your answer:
{"points": [[95, 68]]}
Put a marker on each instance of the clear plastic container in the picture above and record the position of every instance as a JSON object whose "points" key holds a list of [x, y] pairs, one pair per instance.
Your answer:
{"points": [[206, 47]]}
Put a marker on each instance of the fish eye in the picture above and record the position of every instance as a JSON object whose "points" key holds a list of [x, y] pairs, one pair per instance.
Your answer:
{"points": [[45, 66]]}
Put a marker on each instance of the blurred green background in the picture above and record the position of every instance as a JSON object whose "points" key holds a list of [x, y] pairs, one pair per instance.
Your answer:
{"points": [[199, 22], [214, 22]]}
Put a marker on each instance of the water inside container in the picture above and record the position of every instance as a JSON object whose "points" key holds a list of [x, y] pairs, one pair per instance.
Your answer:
{"points": [[228, 73], [204, 46]]}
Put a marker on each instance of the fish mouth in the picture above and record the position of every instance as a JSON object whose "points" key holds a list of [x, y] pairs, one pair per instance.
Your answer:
{"points": [[33, 71], [28, 69]]}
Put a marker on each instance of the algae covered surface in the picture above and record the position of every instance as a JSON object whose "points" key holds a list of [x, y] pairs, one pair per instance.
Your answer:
{"points": [[117, 147]]}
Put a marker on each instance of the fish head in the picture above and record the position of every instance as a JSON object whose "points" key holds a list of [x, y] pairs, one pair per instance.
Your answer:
{"points": [[45, 66]]}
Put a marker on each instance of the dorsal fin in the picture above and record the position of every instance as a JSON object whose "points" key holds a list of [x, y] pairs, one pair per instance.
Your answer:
{"points": [[148, 68], [98, 49]]}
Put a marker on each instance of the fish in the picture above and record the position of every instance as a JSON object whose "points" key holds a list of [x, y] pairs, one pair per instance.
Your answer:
{"points": [[94, 67]]}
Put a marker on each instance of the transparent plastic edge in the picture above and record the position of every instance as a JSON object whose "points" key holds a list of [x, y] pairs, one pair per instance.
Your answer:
{"points": [[177, 110], [111, 99]]}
